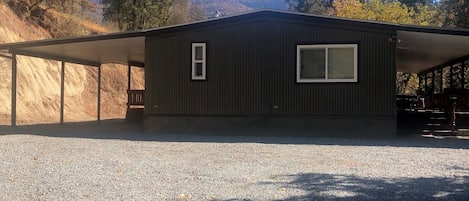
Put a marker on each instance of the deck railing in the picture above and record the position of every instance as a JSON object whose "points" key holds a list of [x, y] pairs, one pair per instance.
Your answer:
{"points": [[136, 98]]}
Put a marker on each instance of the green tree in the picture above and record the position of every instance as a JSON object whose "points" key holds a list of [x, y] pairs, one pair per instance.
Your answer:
{"points": [[137, 14], [184, 11], [455, 13], [427, 15], [320, 7], [376, 10], [413, 3], [387, 11], [406, 83]]}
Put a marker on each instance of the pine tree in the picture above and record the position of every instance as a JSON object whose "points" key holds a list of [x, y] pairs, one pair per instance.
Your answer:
{"points": [[456, 13], [319, 7], [137, 14]]}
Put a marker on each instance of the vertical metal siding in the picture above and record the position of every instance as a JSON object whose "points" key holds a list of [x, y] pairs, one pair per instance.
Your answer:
{"points": [[252, 66]]}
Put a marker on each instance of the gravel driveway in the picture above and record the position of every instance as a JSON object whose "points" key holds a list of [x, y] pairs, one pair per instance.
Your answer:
{"points": [[136, 166]]}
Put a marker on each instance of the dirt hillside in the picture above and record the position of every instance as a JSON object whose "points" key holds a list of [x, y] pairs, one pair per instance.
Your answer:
{"points": [[38, 92]]}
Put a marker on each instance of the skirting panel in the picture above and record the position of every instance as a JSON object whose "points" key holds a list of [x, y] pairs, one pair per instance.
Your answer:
{"points": [[378, 127]]}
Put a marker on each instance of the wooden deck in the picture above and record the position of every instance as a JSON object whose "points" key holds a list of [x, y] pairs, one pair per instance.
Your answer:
{"points": [[136, 98]]}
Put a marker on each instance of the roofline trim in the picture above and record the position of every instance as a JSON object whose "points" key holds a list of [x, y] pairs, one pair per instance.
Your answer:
{"points": [[56, 58], [394, 26]]}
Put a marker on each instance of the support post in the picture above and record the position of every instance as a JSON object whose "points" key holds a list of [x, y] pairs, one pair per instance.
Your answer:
{"points": [[62, 90], [420, 82], [441, 79], [425, 83], [99, 94], [453, 100], [462, 72], [433, 82], [13, 88], [129, 76]]}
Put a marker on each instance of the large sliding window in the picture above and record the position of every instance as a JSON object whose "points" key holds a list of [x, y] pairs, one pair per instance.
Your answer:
{"points": [[327, 63], [199, 61]]}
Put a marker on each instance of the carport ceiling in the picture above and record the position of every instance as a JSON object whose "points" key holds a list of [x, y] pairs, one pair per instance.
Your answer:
{"points": [[418, 51]]}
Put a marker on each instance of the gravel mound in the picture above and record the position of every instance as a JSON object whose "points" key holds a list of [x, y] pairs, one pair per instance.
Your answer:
{"points": [[34, 167]]}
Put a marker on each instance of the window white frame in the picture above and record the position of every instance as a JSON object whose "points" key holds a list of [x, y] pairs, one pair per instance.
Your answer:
{"points": [[326, 47], [195, 61]]}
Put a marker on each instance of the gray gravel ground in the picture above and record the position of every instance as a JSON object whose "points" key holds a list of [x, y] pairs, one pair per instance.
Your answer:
{"points": [[155, 167]]}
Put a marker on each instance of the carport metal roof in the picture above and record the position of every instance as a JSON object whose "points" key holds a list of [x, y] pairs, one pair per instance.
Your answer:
{"points": [[92, 50], [420, 48]]}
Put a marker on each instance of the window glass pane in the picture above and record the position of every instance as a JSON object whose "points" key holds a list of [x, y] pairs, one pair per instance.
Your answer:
{"points": [[312, 63], [198, 69], [198, 53], [341, 63]]}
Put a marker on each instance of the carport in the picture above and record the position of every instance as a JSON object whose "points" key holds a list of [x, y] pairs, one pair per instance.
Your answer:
{"points": [[440, 58], [126, 48]]}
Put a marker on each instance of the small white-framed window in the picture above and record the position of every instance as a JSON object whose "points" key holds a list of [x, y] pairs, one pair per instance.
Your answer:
{"points": [[326, 63], [199, 61]]}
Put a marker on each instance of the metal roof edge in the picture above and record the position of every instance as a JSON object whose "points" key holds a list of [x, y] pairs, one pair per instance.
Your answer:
{"points": [[280, 13], [264, 13], [435, 30], [57, 41]]}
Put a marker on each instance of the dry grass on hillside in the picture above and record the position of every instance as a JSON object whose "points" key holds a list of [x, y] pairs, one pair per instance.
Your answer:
{"points": [[76, 25]]}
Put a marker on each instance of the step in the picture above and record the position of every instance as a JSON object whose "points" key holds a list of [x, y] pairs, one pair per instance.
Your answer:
{"points": [[463, 132], [438, 118], [439, 131], [444, 132], [435, 124]]}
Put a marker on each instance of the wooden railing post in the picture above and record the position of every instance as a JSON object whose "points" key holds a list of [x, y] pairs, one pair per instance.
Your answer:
{"points": [[453, 99], [136, 97]]}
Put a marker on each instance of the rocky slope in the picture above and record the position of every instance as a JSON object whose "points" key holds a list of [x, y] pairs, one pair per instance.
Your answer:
{"points": [[38, 91]]}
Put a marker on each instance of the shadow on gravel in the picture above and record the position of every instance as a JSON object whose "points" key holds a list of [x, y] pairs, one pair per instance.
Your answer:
{"points": [[347, 187], [119, 129]]}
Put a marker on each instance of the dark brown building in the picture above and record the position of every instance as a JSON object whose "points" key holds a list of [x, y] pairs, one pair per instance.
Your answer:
{"points": [[272, 72], [265, 72]]}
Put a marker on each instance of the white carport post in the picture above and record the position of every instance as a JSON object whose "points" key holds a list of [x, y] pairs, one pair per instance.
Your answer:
{"points": [[13, 88], [99, 93], [62, 90]]}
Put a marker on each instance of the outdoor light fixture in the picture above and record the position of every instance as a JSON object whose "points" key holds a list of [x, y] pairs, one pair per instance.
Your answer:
{"points": [[394, 39]]}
